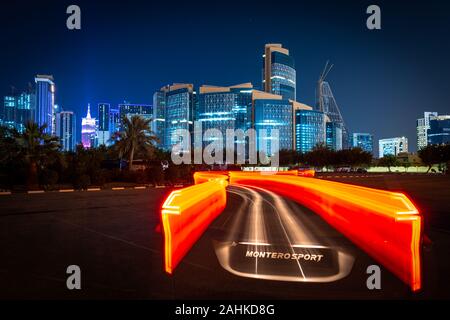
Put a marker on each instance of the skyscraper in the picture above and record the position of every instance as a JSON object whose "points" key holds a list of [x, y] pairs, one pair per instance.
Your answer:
{"points": [[104, 134], [66, 130], [278, 72], [18, 109], [180, 101], [9, 109], [423, 125], [225, 108], [272, 112], [326, 103], [439, 131], [88, 130], [392, 146], [333, 135], [114, 120], [310, 129], [159, 114], [130, 109], [45, 102], [363, 141]]}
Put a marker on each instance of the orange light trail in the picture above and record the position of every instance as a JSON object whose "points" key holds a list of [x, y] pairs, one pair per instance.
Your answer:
{"points": [[384, 224]]}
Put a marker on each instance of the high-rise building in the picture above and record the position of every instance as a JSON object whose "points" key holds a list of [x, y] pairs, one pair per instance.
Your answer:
{"points": [[180, 101], [129, 109], [159, 114], [8, 114], [114, 121], [104, 133], [363, 141], [333, 135], [278, 72], [45, 102], [271, 112], [439, 131], [88, 130], [392, 146], [66, 130], [310, 129], [423, 125], [326, 103], [225, 108], [17, 110]]}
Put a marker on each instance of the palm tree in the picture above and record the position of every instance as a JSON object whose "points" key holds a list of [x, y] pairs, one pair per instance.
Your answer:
{"points": [[37, 149], [136, 136]]}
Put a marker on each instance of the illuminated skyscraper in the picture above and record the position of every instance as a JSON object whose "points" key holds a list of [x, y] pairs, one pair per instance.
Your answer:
{"points": [[129, 109], [278, 73], [272, 112], [88, 130], [363, 141], [333, 136], [310, 129], [17, 110], [66, 130], [392, 146], [45, 102], [103, 134], [225, 108], [423, 125], [114, 121], [326, 103], [159, 114], [439, 131], [180, 101]]}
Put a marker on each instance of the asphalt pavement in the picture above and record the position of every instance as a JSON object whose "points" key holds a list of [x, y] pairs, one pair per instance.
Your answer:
{"points": [[115, 237]]}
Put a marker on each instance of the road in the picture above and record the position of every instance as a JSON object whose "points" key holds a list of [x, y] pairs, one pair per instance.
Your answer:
{"points": [[115, 237]]}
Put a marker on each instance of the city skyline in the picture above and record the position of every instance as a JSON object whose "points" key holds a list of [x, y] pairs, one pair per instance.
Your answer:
{"points": [[373, 97]]}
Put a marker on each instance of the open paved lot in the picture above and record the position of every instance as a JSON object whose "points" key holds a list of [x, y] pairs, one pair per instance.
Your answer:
{"points": [[115, 237]]}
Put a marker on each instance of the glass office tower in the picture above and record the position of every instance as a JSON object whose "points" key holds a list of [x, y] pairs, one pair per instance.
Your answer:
{"points": [[334, 136], [45, 102], [180, 100], [17, 110], [279, 75], [422, 126], [114, 120], [159, 110], [88, 130], [310, 129], [271, 113], [225, 108], [104, 134], [439, 131], [392, 146], [363, 141], [66, 130], [128, 110]]}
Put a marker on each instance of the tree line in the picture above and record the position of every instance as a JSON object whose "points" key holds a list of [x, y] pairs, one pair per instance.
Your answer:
{"points": [[33, 159]]}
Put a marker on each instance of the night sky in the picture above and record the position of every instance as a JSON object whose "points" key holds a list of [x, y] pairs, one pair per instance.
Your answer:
{"points": [[383, 80]]}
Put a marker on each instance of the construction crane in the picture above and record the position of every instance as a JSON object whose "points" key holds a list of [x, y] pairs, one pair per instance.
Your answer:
{"points": [[326, 103]]}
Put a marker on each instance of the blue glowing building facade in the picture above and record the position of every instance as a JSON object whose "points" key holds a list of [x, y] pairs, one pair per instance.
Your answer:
{"points": [[225, 108], [45, 102], [159, 116], [180, 101], [272, 112], [439, 131], [66, 130], [278, 72], [363, 141], [310, 129], [17, 110], [334, 135]]}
